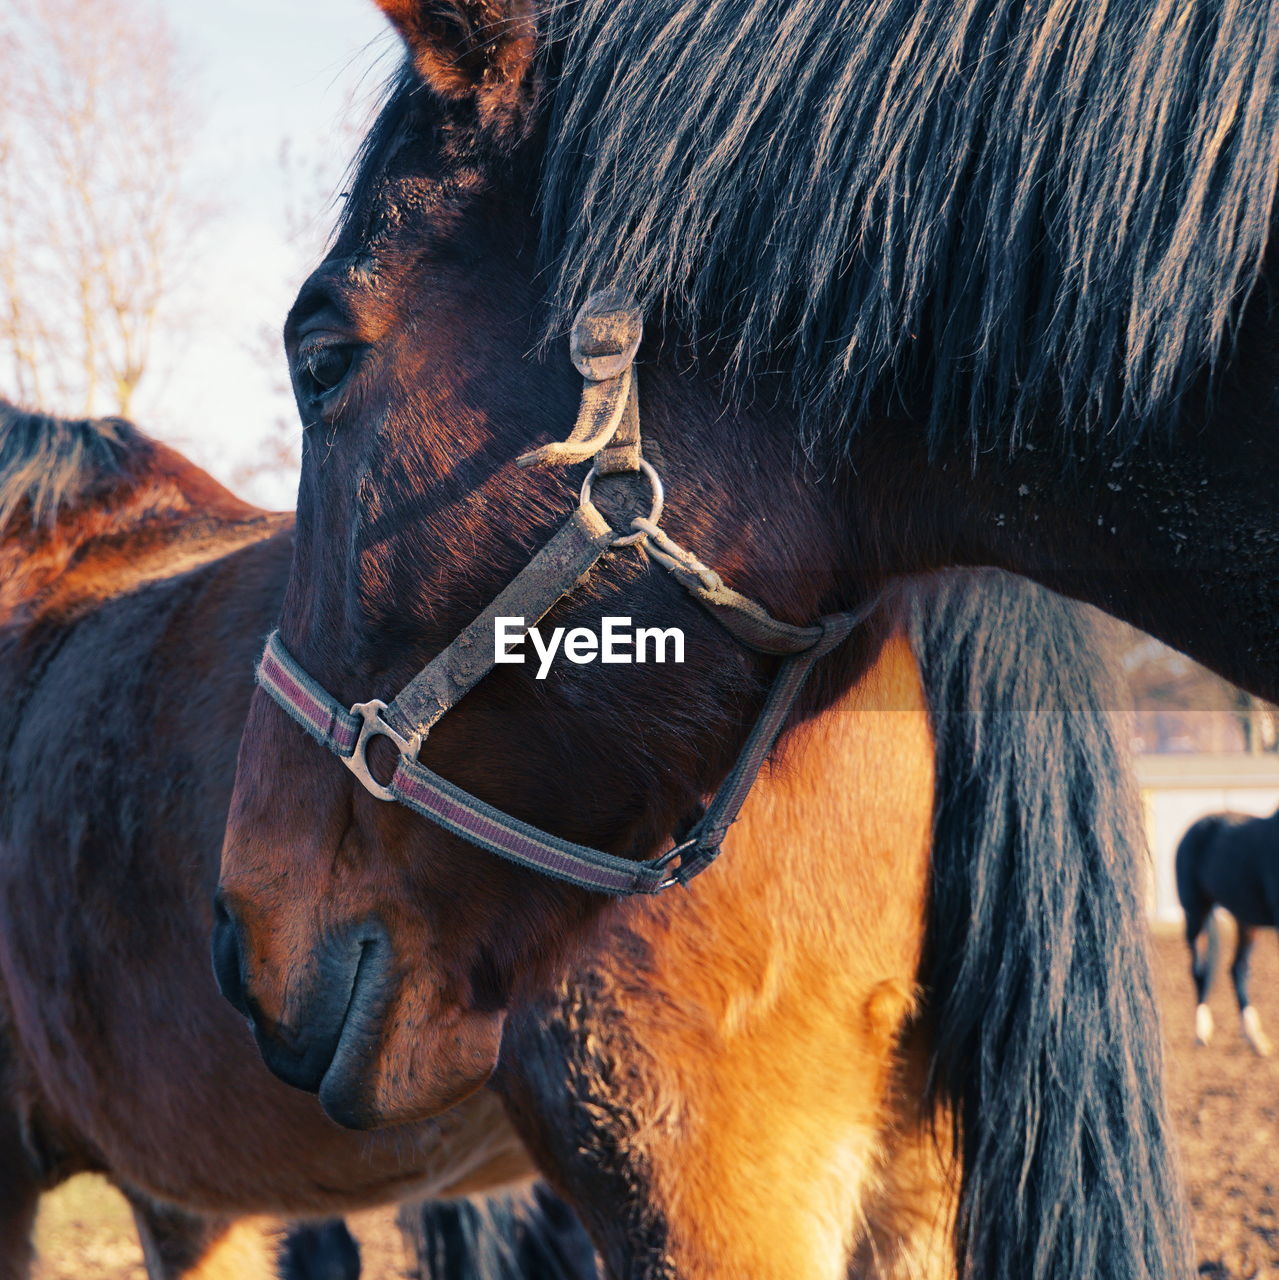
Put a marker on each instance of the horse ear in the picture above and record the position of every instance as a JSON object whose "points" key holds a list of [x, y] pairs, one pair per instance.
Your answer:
{"points": [[477, 49]]}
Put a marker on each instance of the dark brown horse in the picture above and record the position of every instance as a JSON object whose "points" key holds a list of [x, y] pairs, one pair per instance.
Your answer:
{"points": [[392, 967], [1228, 860], [134, 592]]}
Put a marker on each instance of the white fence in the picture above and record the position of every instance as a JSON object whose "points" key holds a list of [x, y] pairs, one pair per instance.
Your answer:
{"points": [[1178, 789]]}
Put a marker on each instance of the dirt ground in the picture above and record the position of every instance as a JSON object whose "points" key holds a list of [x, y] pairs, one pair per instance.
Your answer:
{"points": [[85, 1232], [1225, 1106]]}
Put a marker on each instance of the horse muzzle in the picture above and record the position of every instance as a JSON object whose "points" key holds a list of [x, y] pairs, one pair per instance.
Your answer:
{"points": [[338, 1023], [325, 1036]]}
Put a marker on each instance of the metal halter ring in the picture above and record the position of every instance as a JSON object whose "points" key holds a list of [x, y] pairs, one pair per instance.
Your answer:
{"points": [[655, 511], [372, 726]]}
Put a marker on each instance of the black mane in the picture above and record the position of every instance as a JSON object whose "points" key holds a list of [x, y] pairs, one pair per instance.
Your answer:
{"points": [[48, 463], [986, 211]]}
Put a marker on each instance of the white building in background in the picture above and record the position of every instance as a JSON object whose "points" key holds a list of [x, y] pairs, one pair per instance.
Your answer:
{"points": [[1179, 788]]}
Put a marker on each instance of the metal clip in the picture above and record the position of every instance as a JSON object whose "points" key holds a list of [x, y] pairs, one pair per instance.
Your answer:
{"points": [[374, 726], [655, 510], [675, 851]]}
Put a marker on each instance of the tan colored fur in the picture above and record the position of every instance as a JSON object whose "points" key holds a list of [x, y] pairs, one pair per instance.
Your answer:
{"points": [[180, 1246], [795, 1139]]}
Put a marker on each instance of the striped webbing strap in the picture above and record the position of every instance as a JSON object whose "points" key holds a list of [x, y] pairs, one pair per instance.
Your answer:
{"points": [[448, 806], [606, 336]]}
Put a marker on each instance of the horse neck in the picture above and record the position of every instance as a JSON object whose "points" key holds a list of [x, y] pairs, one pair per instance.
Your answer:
{"points": [[161, 517]]}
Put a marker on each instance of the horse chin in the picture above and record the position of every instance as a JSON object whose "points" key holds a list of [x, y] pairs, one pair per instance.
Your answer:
{"points": [[415, 1073]]}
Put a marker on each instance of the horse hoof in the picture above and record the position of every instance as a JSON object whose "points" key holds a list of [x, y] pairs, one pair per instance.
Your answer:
{"points": [[1203, 1024], [1254, 1034]]}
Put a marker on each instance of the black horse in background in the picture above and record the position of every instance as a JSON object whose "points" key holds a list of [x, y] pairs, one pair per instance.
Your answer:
{"points": [[1229, 860]]}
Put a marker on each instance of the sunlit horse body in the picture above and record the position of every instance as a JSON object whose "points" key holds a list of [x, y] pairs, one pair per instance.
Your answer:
{"points": [[925, 285], [134, 592], [136, 589], [1228, 860]]}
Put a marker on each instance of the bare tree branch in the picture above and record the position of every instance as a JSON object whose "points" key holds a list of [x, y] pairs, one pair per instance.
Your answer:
{"points": [[309, 180], [96, 210]]}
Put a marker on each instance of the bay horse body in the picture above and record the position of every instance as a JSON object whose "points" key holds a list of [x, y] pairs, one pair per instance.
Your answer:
{"points": [[1007, 303], [1228, 860], [137, 591], [134, 592]]}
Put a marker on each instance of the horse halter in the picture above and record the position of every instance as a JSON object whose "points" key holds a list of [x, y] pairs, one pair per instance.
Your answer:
{"points": [[605, 338]]}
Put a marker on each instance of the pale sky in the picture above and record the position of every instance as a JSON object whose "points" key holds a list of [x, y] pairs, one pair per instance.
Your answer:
{"points": [[265, 71]]}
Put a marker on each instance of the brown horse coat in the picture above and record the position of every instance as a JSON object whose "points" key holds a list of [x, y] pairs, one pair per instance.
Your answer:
{"points": [[740, 1047], [129, 627]]}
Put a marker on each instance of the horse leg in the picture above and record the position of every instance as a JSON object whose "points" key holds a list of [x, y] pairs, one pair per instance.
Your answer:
{"points": [[1248, 1016], [522, 1236], [701, 1140], [909, 1228], [180, 1245], [20, 1187], [1198, 911], [320, 1251], [1202, 924]]}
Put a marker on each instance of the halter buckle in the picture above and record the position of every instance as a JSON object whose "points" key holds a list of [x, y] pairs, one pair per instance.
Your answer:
{"points": [[372, 726], [676, 851]]}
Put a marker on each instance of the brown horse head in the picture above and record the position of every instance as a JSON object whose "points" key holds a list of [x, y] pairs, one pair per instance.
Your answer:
{"points": [[375, 953], [798, 196]]}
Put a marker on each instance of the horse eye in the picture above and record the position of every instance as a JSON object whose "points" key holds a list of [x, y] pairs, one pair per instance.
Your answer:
{"points": [[326, 367]]}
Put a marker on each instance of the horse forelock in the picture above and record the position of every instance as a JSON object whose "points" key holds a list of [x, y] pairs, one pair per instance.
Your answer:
{"points": [[49, 464], [990, 213], [415, 164]]}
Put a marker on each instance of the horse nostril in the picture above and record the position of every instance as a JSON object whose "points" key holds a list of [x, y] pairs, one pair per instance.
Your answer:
{"points": [[228, 967], [342, 987]]}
